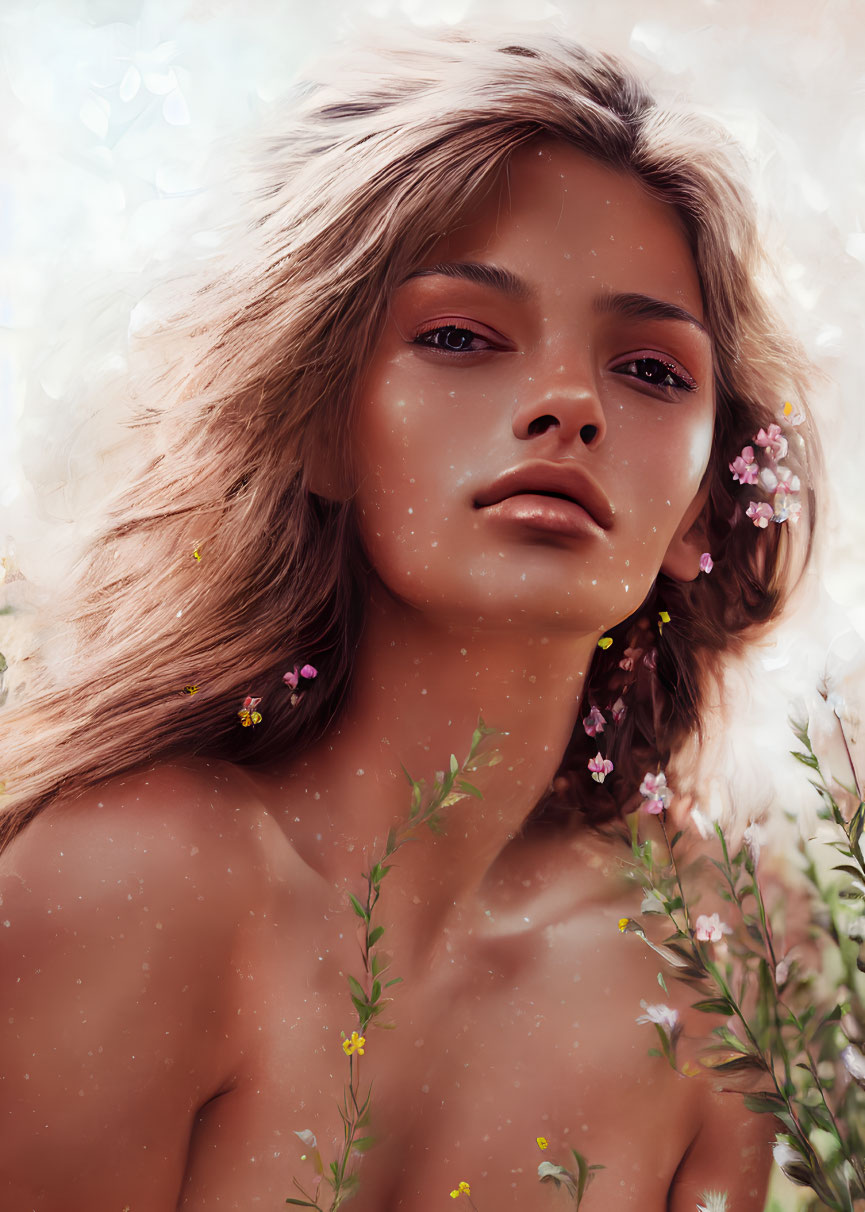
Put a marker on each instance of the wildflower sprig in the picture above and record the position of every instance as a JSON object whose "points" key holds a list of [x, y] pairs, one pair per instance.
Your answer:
{"points": [[804, 1048], [574, 1181], [426, 808]]}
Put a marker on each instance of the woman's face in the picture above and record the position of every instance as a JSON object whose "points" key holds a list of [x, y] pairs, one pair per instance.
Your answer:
{"points": [[536, 419]]}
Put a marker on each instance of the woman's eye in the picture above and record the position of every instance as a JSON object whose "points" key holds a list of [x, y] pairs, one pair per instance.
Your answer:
{"points": [[657, 373], [449, 338]]}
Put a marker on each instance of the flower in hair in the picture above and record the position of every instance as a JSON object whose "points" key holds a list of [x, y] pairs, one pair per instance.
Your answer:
{"points": [[196, 554], [291, 679], [743, 467], [249, 717], [594, 722], [618, 710], [655, 792], [605, 642], [190, 689], [773, 441], [760, 513], [795, 418], [600, 767], [706, 562], [631, 655], [663, 617]]}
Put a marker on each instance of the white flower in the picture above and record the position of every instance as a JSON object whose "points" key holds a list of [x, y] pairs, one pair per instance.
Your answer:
{"points": [[752, 839], [854, 1062], [665, 1017], [710, 929], [713, 1201]]}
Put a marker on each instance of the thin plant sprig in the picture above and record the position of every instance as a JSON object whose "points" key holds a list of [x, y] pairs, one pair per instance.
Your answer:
{"points": [[426, 809], [783, 1031]]}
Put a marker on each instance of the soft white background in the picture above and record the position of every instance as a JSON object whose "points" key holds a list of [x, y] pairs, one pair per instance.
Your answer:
{"points": [[110, 113]]}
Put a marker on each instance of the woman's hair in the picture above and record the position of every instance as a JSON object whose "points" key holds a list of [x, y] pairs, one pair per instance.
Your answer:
{"points": [[217, 568]]}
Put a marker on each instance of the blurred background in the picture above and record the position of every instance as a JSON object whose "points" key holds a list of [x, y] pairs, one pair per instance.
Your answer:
{"points": [[114, 116]]}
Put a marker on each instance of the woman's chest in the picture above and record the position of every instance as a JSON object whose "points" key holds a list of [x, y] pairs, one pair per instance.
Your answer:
{"points": [[497, 1041]]}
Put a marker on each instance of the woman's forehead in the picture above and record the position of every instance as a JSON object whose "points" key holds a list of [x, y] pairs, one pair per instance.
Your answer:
{"points": [[559, 219]]}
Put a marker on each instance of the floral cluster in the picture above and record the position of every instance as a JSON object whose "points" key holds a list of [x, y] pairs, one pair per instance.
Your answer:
{"points": [[248, 715], [768, 473], [655, 792]]}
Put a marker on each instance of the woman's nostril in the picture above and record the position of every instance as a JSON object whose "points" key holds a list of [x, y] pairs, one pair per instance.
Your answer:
{"points": [[588, 433], [541, 425]]}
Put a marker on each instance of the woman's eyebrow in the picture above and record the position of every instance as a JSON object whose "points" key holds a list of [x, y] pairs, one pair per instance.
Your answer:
{"points": [[629, 304]]}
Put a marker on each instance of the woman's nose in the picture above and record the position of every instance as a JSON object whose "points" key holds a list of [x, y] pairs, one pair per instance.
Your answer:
{"points": [[573, 411]]}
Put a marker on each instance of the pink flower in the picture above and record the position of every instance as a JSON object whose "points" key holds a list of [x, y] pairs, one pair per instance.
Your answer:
{"points": [[743, 467], [618, 711], [706, 562], [650, 660], [594, 722], [760, 514], [290, 679], [631, 655], [710, 928], [657, 795], [772, 440], [600, 767], [249, 703], [309, 671]]}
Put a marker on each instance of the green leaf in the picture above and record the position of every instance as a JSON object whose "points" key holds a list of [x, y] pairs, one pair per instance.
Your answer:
{"points": [[470, 789], [363, 1143], [857, 824], [662, 982], [375, 935], [807, 759], [676, 837], [396, 980], [358, 907], [454, 764], [376, 992], [765, 1103], [714, 1005], [301, 1203], [390, 844], [356, 989]]}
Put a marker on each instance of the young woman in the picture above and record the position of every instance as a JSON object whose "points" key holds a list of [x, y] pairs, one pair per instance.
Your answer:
{"points": [[458, 400]]}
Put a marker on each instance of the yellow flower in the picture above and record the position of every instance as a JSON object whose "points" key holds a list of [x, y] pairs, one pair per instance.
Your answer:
{"points": [[462, 1189], [196, 555], [190, 690], [543, 1143], [605, 641], [623, 923], [788, 408], [354, 1044], [248, 718]]}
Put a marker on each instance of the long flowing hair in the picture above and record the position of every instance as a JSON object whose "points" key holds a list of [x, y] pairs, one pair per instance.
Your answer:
{"points": [[217, 569]]}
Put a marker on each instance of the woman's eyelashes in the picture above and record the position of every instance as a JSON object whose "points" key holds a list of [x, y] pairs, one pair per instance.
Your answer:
{"points": [[454, 339], [656, 370], [653, 369]]}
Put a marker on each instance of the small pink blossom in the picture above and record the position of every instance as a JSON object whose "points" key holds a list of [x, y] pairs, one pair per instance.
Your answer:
{"points": [[631, 655], [657, 795], [706, 562], [650, 660], [309, 671], [290, 679], [249, 703], [772, 440], [600, 767], [743, 467], [619, 710], [710, 929], [760, 513], [594, 722]]}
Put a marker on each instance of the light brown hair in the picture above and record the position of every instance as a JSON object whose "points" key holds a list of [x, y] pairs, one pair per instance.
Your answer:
{"points": [[379, 146]]}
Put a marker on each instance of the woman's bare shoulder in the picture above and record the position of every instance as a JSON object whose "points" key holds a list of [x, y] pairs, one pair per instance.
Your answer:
{"points": [[119, 925]]}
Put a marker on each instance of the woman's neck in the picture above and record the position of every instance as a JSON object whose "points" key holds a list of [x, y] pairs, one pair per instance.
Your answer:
{"points": [[418, 691]]}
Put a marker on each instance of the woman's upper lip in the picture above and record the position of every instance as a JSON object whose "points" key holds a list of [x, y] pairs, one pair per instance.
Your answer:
{"points": [[550, 479]]}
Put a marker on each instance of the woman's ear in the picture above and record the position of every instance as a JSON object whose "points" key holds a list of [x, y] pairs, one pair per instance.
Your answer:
{"points": [[682, 561]]}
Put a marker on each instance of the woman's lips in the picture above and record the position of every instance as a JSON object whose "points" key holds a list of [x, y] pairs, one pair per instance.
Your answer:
{"points": [[554, 515]]}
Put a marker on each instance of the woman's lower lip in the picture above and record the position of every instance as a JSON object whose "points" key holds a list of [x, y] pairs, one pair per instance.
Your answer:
{"points": [[552, 514]]}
